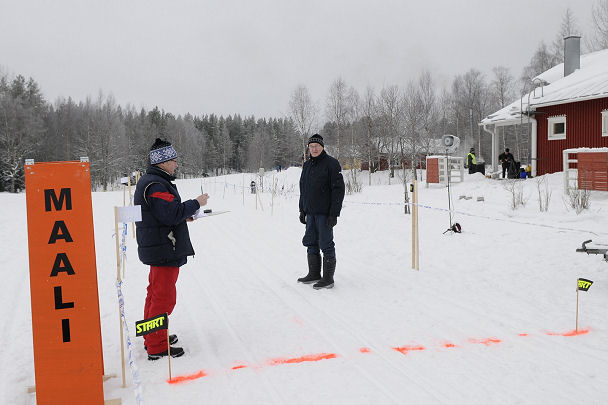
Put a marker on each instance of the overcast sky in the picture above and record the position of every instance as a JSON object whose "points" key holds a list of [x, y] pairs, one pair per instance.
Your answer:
{"points": [[247, 56]]}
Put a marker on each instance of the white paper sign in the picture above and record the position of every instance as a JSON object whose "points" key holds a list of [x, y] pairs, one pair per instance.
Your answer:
{"points": [[128, 214]]}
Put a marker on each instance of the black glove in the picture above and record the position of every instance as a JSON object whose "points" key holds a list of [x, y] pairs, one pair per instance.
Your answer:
{"points": [[332, 221], [303, 218]]}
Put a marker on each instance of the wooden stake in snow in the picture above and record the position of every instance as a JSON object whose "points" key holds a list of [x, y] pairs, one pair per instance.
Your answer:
{"points": [[414, 190], [582, 284], [154, 324]]}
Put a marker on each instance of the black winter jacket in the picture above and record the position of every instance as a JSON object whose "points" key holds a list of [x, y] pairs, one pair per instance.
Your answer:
{"points": [[321, 186], [162, 234], [505, 158]]}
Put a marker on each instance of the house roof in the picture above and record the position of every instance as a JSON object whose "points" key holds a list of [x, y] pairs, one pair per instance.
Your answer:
{"points": [[587, 83]]}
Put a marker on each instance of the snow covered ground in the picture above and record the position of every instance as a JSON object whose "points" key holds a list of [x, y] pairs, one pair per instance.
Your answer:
{"points": [[488, 319]]}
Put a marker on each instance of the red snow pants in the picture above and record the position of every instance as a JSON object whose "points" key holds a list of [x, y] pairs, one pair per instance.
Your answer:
{"points": [[161, 298]]}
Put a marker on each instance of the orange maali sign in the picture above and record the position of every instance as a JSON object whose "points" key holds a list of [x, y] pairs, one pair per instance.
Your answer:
{"points": [[66, 327]]}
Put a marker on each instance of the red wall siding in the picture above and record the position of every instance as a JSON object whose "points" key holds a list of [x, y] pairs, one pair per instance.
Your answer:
{"points": [[592, 170], [583, 130], [432, 170]]}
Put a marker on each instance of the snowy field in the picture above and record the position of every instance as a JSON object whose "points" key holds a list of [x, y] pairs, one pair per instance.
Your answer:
{"points": [[488, 319]]}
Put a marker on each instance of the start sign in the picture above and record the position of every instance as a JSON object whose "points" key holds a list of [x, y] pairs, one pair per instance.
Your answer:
{"points": [[63, 283]]}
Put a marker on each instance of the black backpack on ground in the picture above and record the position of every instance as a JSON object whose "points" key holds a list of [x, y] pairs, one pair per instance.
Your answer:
{"points": [[513, 170]]}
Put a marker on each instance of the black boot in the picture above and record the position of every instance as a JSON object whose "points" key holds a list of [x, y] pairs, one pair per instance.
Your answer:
{"points": [[329, 268], [314, 270], [175, 352]]}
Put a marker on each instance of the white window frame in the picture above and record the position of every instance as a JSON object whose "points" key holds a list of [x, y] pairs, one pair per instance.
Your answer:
{"points": [[605, 123], [551, 121]]}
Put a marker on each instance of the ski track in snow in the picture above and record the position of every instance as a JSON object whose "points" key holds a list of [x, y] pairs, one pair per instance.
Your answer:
{"points": [[18, 308], [286, 288], [447, 334], [240, 341], [396, 364], [266, 282]]}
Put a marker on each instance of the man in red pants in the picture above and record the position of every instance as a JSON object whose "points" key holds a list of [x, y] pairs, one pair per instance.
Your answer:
{"points": [[163, 241]]}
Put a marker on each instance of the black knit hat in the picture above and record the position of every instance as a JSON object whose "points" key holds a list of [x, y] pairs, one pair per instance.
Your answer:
{"points": [[161, 151], [316, 138]]}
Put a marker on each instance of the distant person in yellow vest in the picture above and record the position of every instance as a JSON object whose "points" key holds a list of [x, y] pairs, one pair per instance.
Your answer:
{"points": [[472, 161]]}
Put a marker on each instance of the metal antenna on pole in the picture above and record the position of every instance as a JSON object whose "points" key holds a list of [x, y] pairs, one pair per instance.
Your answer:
{"points": [[447, 173], [450, 142], [456, 226]]}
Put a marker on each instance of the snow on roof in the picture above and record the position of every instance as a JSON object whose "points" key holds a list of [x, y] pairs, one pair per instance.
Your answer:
{"points": [[588, 61], [586, 150], [509, 114], [588, 82]]}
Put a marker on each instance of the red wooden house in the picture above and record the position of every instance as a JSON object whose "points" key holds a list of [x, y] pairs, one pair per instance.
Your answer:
{"points": [[568, 108]]}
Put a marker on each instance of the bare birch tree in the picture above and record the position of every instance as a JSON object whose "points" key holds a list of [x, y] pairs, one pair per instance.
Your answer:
{"points": [[568, 27], [389, 109], [353, 101], [303, 112], [502, 90], [337, 109], [369, 112], [429, 112], [599, 14]]}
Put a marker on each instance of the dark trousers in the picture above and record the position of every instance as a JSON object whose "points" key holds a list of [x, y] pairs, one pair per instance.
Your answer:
{"points": [[319, 236], [505, 167], [161, 298]]}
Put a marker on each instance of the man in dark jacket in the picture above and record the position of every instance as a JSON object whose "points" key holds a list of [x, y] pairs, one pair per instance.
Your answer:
{"points": [[163, 240], [321, 196], [505, 158]]}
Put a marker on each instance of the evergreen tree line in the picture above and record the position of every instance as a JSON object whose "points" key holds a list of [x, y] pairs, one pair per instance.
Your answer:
{"points": [[397, 123], [117, 140]]}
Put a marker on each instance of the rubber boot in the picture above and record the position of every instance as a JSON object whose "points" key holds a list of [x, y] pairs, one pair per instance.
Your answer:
{"points": [[329, 268], [314, 270]]}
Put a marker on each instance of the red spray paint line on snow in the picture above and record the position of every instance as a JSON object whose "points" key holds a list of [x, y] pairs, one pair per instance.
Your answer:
{"points": [[405, 349], [238, 366], [486, 341], [184, 378], [570, 333], [302, 359]]}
